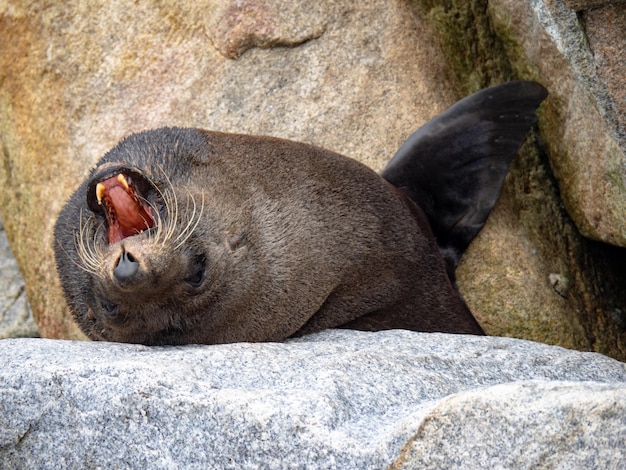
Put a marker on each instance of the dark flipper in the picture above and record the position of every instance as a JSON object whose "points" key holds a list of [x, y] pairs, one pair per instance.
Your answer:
{"points": [[454, 166]]}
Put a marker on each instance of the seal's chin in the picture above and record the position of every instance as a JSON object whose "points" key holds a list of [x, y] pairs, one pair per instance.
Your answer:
{"points": [[122, 198]]}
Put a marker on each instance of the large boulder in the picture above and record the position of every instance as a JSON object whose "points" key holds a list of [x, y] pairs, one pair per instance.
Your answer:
{"points": [[338, 399]]}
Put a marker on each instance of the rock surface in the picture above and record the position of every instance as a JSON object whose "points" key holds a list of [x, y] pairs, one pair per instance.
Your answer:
{"points": [[589, 4], [530, 273], [16, 318], [585, 150], [338, 399], [586, 134], [606, 32]]}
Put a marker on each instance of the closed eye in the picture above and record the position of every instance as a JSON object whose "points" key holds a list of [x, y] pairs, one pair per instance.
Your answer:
{"points": [[109, 308], [197, 272]]}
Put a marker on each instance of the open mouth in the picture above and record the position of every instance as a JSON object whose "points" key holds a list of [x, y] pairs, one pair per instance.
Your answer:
{"points": [[122, 197]]}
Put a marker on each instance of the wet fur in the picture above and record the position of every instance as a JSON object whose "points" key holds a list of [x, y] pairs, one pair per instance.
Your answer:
{"points": [[292, 239]]}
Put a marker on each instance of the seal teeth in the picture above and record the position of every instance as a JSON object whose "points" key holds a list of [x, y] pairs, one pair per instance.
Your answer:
{"points": [[121, 179], [100, 190]]}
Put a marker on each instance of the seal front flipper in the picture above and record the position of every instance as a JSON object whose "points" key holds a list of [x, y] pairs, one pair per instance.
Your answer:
{"points": [[454, 166]]}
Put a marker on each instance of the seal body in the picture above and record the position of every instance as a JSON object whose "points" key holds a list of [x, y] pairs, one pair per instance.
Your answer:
{"points": [[189, 236]]}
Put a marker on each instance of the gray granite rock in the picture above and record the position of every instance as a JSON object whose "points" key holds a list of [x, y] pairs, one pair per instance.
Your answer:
{"points": [[338, 399], [566, 425], [16, 318]]}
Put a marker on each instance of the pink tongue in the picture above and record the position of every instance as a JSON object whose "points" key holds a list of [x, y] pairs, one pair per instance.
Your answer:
{"points": [[126, 215]]}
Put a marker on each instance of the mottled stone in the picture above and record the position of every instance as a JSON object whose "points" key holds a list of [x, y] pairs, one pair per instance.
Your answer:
{"points": [[565, 425], [582, 127], [16, 318], [339, 399], [585, 151], [606, 34], [589, 4], [238, 26], [506, 281]]}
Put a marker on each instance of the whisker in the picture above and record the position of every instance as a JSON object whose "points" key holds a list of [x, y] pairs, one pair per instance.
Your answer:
{"points": [[171, 204], [167, 230], [198, 216], [190, 221], [86, 247]]}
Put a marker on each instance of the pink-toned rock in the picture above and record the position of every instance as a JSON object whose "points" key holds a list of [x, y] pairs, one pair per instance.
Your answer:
{"points": [[582, 126], [237, 26]]}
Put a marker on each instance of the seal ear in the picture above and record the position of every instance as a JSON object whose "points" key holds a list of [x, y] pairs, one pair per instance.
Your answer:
{"points": [[454, 166]]}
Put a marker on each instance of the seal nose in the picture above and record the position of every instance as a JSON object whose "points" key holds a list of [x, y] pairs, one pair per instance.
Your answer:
{"points": [[126, 267]]}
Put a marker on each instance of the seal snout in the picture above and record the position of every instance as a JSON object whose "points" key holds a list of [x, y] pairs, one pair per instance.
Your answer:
{"points": [[126, 268]]}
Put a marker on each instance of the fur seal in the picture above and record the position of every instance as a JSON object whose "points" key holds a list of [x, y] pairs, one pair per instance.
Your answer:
{"points": [[189, 236]]}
